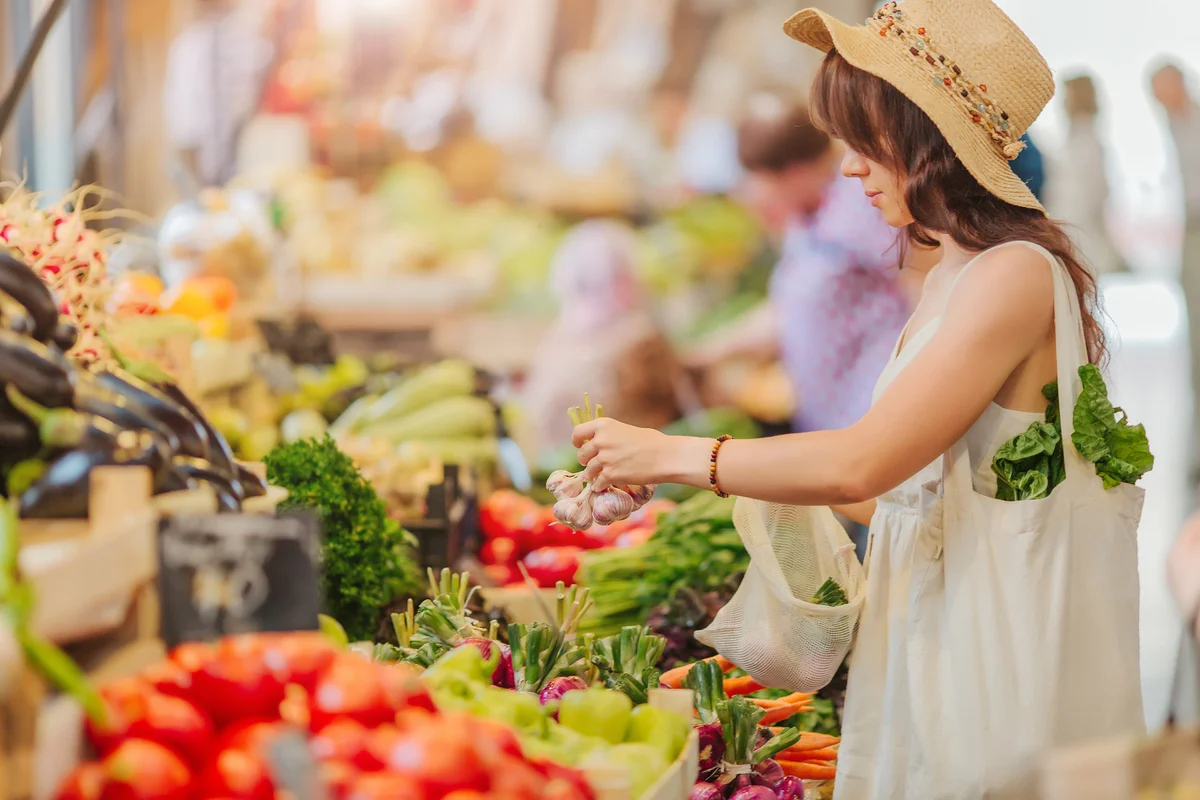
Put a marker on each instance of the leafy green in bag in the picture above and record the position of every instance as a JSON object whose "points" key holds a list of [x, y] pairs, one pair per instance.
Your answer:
{"points": [[1030, 465]]}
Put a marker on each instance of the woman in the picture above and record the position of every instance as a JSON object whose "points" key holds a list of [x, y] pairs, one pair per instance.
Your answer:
{"points": [[1079, 189], [990, 629]]}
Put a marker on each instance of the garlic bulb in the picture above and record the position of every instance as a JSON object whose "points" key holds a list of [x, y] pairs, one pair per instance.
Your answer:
{"points": [[563, 484], [641, 494], [575, 512], [612, 505]]}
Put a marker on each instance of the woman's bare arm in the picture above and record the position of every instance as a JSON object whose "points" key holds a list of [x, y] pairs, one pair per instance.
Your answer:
{"points": [[1001, 313]]}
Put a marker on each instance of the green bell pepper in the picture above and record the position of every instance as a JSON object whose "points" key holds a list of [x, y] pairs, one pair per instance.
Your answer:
{"points": [[599, 712]]}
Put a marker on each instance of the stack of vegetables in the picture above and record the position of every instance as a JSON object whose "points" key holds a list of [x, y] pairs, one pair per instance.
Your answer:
{"points": [[574, 699], [744, 755], [519, 531], [434, 409], [695, 548], [215, 721], [60, 418], [367, 559]]}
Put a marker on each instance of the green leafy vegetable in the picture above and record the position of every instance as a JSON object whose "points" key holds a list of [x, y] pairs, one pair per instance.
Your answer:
{"points": [[627, 661], [830, 594], [1119, 450], [368, 559], [1030, 465]]}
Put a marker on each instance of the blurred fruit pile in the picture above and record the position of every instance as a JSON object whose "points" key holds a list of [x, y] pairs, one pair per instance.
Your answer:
{"points": [[206, 300]]}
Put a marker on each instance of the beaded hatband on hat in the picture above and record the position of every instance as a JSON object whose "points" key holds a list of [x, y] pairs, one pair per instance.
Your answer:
{"points": [[964, 63]]}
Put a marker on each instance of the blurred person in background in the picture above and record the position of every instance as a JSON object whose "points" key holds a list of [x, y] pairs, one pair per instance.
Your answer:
{"points": [[214, 76], [837, 302], [1079, 184], [837, 298], [604, 341], [1183, 118]]}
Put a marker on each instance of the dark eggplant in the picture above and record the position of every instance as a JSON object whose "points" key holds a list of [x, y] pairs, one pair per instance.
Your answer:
{"points": [[17, 432], [21, 283], [229, 493], [121, 412], [220, 453], [252, 485], [35, 370], [62, 491], [66, 335], [193, 439]]}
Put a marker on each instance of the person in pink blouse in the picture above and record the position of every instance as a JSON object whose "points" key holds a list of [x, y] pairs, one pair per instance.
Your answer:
{"points": [[838, 299]]}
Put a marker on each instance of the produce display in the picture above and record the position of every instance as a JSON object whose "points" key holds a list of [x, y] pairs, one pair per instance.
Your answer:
{"points": [[216, 721], [744, 754], [573, 699], [1031, 464], [63, 417], [694, 548], [367, 558], [518, 532]]}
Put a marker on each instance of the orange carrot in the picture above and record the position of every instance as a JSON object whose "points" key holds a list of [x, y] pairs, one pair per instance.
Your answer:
{"points": [[765, 704], [780, 713], [811, 741], [808, 771], [674, 677], [798, 697], [824, 754], [742, 685]]}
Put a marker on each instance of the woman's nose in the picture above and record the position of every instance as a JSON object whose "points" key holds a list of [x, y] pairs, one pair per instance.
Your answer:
{"points": [[854, 165]]}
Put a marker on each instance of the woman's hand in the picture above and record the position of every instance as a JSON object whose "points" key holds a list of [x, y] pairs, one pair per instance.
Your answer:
{"points": [[616, 454]]}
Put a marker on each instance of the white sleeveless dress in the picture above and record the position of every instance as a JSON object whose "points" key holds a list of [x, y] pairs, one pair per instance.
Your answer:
{"points": [[899, 667]]}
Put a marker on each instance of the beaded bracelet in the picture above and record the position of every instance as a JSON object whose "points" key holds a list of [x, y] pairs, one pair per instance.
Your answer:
{"points": [[712, 467]]}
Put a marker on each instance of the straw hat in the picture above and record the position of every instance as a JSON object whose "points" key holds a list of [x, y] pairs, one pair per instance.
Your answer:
{"points": [[964, 63]]}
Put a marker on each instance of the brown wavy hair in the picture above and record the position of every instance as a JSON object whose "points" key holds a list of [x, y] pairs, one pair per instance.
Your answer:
{"points": [[877, 121]]}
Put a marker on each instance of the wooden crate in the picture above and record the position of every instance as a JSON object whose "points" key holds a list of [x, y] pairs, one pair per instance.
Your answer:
{"points": [[521, 603]]}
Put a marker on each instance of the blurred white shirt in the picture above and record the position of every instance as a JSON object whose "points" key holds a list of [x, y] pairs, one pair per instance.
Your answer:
{"points": [[214, 73]]}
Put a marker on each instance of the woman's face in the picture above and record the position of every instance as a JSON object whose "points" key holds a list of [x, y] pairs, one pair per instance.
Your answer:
{"points": [[881, 184]]}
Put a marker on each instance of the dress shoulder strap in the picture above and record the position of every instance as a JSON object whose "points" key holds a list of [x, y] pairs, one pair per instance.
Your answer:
{"points": [[1031, 245]]}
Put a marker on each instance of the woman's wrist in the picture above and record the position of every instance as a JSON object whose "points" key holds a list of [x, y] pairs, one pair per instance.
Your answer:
{"points": [[687, 460]]}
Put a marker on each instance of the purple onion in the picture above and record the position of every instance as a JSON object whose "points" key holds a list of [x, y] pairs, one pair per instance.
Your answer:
{"points": [[754, 793], [503, 674], [768, 773], [707, 791], [790, 788], [712, 746], [555, 688]]}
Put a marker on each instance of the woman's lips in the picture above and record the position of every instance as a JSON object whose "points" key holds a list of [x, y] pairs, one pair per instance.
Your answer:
{"points": [[874, 196]]}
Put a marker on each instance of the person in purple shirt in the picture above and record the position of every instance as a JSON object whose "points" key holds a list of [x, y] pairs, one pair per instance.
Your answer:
{"points": [[838, 299]]}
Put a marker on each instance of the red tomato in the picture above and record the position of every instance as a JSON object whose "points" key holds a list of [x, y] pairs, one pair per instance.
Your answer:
{"points": [[634, 537], [559, 777], [235, 683], [298, 657], [494, 741], [438, 756], [142, 770], [499, 550], [236, 774], [168, 677], [344, 740], [549, 565], [250, 735], [385, 786], [338, 777], [514, 777], [562, 790], [403, 688], [466, 794], [351, 686], [500, 514], [124, 705], [176, 723], [84, 783]]}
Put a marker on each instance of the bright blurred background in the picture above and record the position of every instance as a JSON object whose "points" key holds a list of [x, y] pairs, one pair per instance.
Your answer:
{"points": [[400, 174]]}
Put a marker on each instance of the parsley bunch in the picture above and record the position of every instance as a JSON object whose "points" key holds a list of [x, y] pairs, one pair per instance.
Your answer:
{"points": [[368, 559]]}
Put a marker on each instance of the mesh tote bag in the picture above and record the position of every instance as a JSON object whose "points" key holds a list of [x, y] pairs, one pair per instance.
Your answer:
{"points": [[770, 627]]}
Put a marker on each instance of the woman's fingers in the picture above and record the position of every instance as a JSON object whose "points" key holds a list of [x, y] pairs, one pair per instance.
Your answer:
{"points": [[586, 432], [588, 452]]}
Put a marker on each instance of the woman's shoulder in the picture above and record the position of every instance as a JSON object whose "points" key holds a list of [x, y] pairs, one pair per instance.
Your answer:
{"points": [[1012, 284]]}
